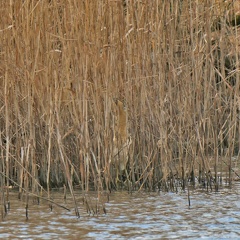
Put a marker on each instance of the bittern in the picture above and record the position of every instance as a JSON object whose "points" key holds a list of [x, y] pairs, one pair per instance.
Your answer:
{"points": [[121, 141]]}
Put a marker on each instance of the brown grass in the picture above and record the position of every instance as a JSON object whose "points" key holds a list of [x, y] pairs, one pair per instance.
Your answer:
{"points": [[175, 66]]}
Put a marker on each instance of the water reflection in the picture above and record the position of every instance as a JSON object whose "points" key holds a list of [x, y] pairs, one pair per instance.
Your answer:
{"points": [[132, 216]]}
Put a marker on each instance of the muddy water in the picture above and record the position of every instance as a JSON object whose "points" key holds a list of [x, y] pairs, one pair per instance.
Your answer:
{"points": [[132, 216]]}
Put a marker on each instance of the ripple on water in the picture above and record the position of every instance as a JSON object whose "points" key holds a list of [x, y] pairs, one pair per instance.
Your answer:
{"points": [[136, 216]]}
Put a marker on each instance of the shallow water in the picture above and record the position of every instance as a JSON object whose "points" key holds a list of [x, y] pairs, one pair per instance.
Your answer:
{"points": [[131, 216]]}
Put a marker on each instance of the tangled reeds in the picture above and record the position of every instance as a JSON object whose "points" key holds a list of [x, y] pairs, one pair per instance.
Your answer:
{"points": [[174, 65]]}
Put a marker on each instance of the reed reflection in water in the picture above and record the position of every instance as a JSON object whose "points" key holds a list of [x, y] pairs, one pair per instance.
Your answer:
{"points": [[133, 216]]}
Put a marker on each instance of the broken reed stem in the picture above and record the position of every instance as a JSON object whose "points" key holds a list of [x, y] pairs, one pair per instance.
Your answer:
{"points": [[66, 167], [36, 195]]}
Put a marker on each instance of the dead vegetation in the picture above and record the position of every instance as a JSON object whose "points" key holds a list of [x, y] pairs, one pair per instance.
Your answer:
{"points": [[174, 65]]}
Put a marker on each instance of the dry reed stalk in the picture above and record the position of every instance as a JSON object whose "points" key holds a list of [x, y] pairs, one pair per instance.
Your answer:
{"points": [[21, 169], [50, 130], [7, 128], [3, 208], [63, 63], [64, 192], [27, 206], [66, 167]]}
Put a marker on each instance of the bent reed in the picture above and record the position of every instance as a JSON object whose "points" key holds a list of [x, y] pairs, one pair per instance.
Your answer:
{"points": [[173, 64]]}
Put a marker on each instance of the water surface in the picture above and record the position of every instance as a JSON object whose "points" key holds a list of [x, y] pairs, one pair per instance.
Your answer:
{"points": [[131, 216]]}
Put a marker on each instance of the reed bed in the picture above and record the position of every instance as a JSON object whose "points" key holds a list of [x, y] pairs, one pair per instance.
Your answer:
{"points": [[173, 64]]}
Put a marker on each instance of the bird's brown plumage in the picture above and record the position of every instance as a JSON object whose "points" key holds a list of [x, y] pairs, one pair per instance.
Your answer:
{"points": [[121, 141]]}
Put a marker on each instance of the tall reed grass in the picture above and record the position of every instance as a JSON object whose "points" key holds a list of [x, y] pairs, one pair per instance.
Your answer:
{"points": [[174, 64]]}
